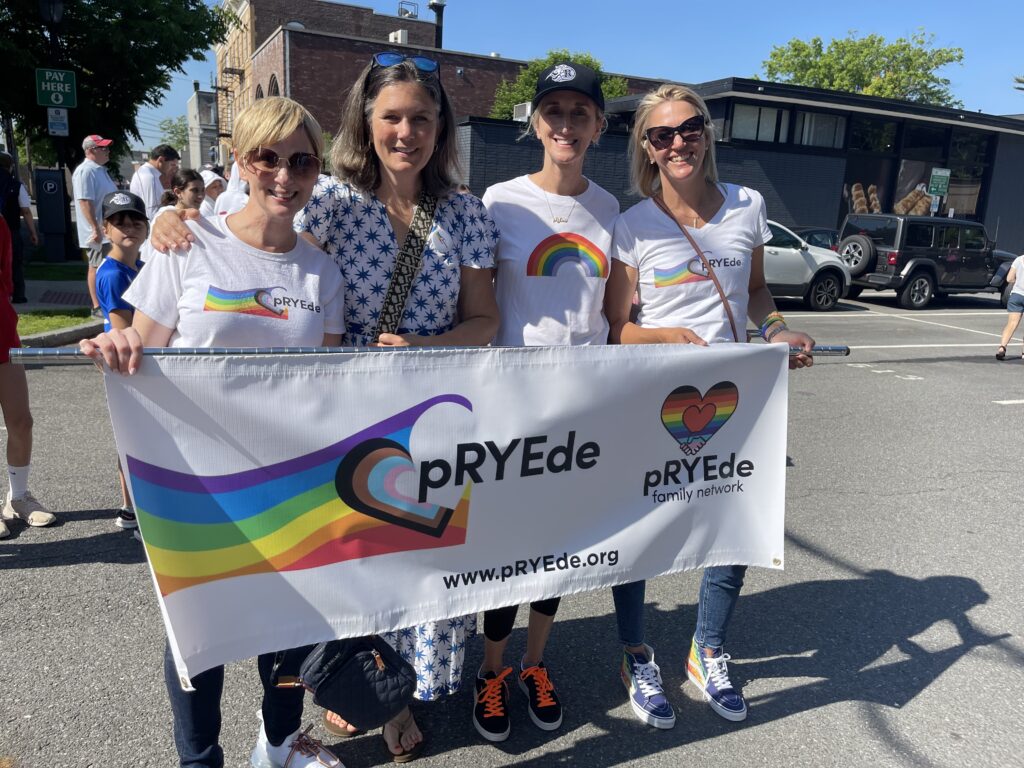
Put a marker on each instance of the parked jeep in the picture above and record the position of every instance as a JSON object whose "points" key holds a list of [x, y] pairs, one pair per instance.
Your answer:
{"points": [[918, 256]]}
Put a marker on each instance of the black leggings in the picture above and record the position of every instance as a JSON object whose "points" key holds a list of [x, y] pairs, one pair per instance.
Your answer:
{"points": [[498, 623]]}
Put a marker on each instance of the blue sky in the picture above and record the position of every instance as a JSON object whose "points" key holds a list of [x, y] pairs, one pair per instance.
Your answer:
{"points": [[698, 41]]}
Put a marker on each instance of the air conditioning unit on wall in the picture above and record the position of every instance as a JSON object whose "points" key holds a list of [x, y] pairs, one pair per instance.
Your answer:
{"points": [[521, 112], [399, 37]]}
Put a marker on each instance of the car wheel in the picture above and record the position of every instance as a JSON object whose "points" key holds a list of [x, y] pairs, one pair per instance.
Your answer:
{"points": [[917, 291], [1004, 298], [824, 291], [859, 254], [854, 292]]}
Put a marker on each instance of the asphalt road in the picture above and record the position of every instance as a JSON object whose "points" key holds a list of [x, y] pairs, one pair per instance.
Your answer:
{"points": [[893, 638]]}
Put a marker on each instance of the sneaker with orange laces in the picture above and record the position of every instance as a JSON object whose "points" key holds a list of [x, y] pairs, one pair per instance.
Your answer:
{"points": [[545, 708], [490, 714]]}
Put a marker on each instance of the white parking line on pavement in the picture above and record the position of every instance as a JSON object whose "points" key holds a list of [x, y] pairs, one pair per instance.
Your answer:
{"points": [[1008, 402], [920, 346]]}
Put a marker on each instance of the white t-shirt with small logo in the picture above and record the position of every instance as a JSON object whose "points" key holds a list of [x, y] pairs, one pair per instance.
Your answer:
{"points": [[673, 287], [551, 275], [224, 293]]}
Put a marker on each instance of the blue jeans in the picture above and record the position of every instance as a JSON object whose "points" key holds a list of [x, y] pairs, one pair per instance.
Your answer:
{"points": [[197, 713], [719, 591]]}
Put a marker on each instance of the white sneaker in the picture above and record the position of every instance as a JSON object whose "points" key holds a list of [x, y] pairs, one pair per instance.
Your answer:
{"points": [[299, 750], [4, 532], [28, 509]]}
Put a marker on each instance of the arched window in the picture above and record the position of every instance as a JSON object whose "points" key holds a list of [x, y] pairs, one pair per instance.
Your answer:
{"points": [[259, 92], [273, 89]]}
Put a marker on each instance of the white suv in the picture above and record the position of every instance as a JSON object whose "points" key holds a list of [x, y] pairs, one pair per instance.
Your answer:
{"points": [[793, 267]]}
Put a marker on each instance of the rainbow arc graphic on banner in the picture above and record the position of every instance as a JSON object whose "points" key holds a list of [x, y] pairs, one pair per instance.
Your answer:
{"points": [[335, 504]]}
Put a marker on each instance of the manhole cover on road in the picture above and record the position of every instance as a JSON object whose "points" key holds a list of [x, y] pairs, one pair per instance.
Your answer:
{"points": [[69, 298]]}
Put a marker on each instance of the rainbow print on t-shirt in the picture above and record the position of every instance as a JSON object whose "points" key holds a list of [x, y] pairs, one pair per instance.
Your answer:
{"points": [[252, 301], [563, 248], [691, 271], [339, 503]]}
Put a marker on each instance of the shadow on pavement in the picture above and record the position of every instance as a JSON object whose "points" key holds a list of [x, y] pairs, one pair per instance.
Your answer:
{"points": [[853, 638], [26, 550]]}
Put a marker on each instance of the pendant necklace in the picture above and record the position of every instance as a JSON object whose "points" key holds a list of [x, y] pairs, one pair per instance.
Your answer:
{"points": [[559, 219]]}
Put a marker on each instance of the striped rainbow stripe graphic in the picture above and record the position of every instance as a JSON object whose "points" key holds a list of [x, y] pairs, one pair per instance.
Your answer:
{"points": [[692, 420], [690, 271], [252, 301], [563, 248], [339, 503]]}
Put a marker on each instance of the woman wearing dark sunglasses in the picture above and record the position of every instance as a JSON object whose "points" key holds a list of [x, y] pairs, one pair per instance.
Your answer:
{"points": [[211, 296], [694, 252], [395, 154], [554, 210]]}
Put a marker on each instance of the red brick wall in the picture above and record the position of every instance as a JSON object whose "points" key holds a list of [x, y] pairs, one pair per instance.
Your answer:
{"points": [[320, 16], [269, 60]]}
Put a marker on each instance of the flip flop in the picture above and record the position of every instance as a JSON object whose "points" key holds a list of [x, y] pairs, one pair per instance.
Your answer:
{"points": [[334, 730], [1001, 352], [408, 755]]}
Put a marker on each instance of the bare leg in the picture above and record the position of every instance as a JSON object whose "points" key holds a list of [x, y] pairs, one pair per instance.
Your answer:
{"points": [[537, 638], [90, 280], [494, 654], [1012, 321], [126, 501], [17, 416]]}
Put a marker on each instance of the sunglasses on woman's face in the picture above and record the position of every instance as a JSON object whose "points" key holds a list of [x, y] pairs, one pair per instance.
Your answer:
{"points": [[268, 161], [391, 58], [661, 137]]}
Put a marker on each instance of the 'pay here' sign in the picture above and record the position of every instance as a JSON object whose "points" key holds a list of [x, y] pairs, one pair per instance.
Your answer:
{"points": [[56, 88]]}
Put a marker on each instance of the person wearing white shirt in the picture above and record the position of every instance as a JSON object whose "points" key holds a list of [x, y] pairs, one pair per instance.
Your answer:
{"points": [[147, 184], [91, 183], [214, 185]]}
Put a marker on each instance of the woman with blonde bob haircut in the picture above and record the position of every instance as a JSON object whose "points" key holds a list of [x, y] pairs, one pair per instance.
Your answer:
{"points": [[277, 151], [658, 253]]}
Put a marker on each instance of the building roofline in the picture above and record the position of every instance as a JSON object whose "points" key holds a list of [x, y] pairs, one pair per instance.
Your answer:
{"points": [[761, 90]]}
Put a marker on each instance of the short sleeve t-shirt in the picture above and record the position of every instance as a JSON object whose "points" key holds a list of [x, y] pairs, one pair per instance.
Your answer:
{"points": [[223, 292], [552, 263], [90, 181], [1018, 268], [147, 185], [112, 280], [354, 229], [674, 289]]}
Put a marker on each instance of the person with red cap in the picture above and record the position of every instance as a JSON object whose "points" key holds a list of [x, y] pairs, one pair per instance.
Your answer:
{"points": [[91, 183]]}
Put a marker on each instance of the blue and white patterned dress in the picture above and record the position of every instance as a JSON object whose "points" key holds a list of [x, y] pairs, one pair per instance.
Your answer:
{"points": [[354, 230]]}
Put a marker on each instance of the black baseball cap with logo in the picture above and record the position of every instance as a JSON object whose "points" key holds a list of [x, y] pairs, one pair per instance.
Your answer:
{"points": [[116, 202], [569, 76]]}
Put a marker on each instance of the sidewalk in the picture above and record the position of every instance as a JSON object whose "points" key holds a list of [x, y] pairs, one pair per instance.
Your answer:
{"points": [[58, 294]]}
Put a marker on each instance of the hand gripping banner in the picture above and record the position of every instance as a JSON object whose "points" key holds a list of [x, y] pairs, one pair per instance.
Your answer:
{"points": [[289, 499]]}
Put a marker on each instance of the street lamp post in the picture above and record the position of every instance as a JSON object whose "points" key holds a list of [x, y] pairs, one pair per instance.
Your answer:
{"points": [[52, 13]]}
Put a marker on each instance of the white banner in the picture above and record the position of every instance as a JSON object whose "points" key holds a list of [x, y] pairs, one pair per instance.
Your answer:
{"points": [[290, 499]]}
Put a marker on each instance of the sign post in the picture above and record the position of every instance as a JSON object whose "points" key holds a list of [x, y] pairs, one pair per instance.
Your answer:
{"points": [[938, 187]]}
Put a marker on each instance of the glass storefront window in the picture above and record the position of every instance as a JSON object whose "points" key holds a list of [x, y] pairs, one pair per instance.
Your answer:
{"points": [[872, 135], [817, 130], [924, 142], [759, 123]]}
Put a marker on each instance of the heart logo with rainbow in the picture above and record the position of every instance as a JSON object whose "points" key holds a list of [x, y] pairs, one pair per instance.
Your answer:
{"points": [[692, 419], [368, 481]]}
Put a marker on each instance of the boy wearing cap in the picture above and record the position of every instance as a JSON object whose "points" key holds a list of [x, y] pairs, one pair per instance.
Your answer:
{"points": [[90, 183], [126, 225]]}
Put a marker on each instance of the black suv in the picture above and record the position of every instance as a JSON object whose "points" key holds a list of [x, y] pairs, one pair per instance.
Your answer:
{"points": [[918, 256]]}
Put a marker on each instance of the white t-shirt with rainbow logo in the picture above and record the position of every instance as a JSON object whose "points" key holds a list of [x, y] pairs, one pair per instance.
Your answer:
{"points": [[551, 274]]}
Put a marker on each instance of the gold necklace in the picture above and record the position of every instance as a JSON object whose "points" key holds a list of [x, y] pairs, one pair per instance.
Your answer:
{"points": [[559, 219]]}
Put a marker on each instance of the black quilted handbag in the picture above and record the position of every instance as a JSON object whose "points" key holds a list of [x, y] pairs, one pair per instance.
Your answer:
{"points": [[362, 679]]}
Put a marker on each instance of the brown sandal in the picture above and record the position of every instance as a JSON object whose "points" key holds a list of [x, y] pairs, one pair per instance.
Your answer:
{"points": [[337, 730], [1001, 352]]}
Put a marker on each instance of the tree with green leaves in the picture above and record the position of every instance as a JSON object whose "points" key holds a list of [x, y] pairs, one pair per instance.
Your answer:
{"points": [[174, 131], [903, 69], [510, 93], [123, 54]]}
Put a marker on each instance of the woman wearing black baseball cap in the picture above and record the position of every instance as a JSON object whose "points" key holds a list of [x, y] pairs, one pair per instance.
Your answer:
{"points": [[546, 301]]}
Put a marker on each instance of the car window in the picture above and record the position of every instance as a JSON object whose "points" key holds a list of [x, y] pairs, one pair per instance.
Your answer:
{"points": [[820, 239], [974, 238], [919, 235], [881, 229], [949, 237], [781, 238]]}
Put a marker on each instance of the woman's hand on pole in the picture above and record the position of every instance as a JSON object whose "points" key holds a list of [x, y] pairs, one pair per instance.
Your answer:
{"points": [[120, 350], [796, 339]]}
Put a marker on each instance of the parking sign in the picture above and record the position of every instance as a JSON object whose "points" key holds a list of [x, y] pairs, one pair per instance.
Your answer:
{"points": [[56, 88]]}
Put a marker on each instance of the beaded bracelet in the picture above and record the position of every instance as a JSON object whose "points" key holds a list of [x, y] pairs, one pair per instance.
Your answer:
{"points": [[770, 319], [774, 331]]}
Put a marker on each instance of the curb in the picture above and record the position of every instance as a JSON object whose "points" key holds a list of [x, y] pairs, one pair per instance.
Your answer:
{"points": [[64, 336]]}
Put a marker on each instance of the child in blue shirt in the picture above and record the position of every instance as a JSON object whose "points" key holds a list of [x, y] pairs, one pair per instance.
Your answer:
{"points": [[126, 225]]}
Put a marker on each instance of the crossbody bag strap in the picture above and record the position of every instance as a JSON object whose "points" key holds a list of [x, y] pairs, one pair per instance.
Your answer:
{"points": [[707, 266], [407, 265]]}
